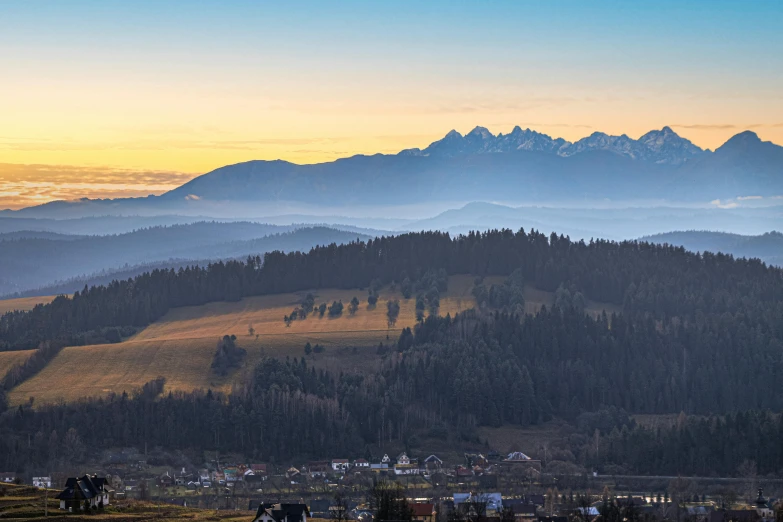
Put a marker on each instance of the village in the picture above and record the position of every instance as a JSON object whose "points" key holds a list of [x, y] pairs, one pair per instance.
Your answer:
{"points": [[481, 488]]}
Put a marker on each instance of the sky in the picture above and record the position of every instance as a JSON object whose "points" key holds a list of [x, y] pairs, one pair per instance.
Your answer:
{"points": [[108, 98]]}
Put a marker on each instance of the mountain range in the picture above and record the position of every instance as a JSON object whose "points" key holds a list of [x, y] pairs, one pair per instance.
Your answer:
{"points": [[522, 167], [657, 146]]}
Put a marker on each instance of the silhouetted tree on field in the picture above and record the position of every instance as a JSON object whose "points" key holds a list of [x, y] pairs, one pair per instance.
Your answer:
{"points": [[336, 309], [392, 312]]}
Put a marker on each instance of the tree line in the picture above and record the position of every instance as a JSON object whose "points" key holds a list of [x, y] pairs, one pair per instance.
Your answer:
{"points": [[657, 281]]}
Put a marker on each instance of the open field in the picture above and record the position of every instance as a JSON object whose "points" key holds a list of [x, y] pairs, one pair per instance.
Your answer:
{"points": [[180, 346], [23, 303], [8, 359]]}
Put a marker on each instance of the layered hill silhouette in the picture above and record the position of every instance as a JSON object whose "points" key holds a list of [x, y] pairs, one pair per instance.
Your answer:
{"points": [[31, 264], [523, 166], [766, 247]]}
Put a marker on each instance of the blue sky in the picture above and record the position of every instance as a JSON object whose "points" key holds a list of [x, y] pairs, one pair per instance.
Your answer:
{"points": [[189, 86]]}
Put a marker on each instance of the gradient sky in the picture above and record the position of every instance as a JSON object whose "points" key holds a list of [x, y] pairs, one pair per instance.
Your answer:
{"points": [[104, 98]]}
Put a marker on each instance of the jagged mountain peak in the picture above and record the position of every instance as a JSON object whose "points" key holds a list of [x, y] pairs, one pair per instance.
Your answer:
{"points": [[481, 132], [666, 146]]}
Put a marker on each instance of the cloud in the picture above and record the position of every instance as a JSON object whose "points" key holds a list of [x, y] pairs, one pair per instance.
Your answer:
{"points": [[38, 145], [725, 126], [25, 185], [743, 198], [723, 204], [192, 197], [701, 126]]}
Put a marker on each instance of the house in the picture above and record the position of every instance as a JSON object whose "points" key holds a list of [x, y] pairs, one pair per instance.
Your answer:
{"points": [[218, 477], [340, 465], [406, 469], [258, 469], [491, 501], [203, 476], [763, 507], [516, 456], [131, 485], [361, 464], [319, 468], [8, 477], [42, 482], [494, 501], [734, 515], [165, 480], [517, 460], [292, 472], [697, 513], [405, 466], [282, 513], [84, 493], [588, 513], [320, 508], [232, 474], [476, 459], [254, 480], [462, 471], [432, 464], [524, 510], [423, 512], [378, 468], [385, 459]]}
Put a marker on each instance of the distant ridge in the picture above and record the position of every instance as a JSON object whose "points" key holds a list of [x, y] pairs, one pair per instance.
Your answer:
{"points": [[523, 167], [766, 247]]}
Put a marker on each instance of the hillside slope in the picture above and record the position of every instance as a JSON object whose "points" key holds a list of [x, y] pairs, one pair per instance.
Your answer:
{"points": [[767, 247], [29, 263], [181, 345]]}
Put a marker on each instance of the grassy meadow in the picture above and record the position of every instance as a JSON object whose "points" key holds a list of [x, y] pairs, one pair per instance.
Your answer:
{"points": [[9, 359], [23, 303], [180, 345]]}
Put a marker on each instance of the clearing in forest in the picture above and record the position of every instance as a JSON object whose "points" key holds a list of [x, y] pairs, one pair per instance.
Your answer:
{"points": [[180, 346]]}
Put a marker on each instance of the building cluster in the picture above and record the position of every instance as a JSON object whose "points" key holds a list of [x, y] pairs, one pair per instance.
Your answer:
{"points": [[475, 464]]}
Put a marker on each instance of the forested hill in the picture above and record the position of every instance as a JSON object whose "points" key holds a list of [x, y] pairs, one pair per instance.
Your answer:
{"points": [[767, 247], [661, 282], [700, 334]]}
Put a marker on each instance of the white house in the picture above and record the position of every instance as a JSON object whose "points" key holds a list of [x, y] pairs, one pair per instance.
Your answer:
{"points": [[42, 482], [340, 465], [8, 477]]}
